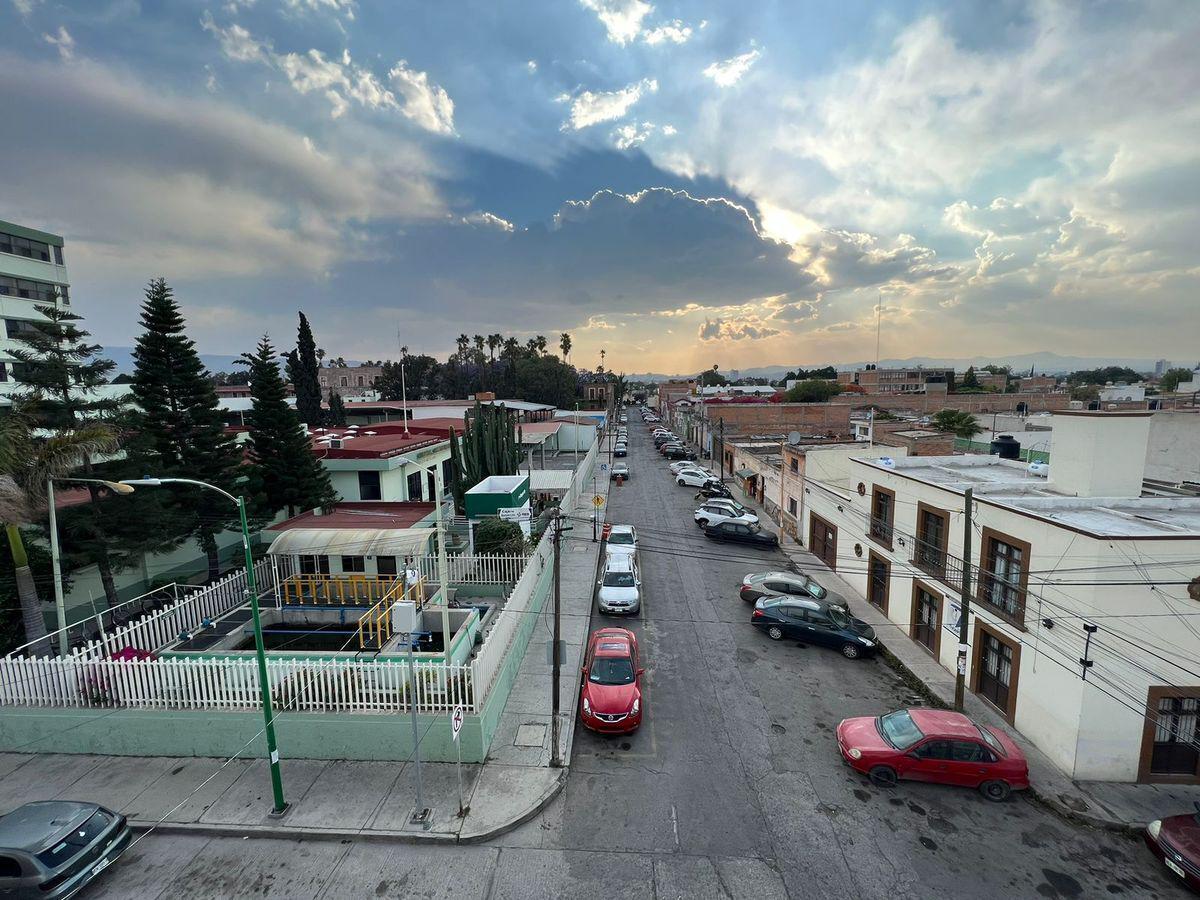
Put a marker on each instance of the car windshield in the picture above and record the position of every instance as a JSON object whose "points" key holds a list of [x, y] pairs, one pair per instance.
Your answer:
{"points": [[618, 579], [620, 537], [74, 841], [840, 619], [991, 741], [899, 729], [611, 670], [815, 590]]}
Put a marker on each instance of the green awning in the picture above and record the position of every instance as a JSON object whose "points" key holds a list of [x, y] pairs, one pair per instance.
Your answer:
{"points": [[745, 473]]}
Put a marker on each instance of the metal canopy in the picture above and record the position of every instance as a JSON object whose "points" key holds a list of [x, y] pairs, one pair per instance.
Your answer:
{"points": [[351, 542]]}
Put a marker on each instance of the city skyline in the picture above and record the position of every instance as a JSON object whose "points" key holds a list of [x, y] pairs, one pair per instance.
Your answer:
{"points": [[674, 182]]}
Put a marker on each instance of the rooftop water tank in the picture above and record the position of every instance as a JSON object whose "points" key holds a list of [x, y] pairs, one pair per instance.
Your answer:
{"points": [[1006, 446]]}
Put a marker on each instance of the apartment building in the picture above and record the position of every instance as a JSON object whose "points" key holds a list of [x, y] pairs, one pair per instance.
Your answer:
{"points": [[1083, 591], [918, 380], [349, 381], [33, 273], [388, 463], [1037, 384]]}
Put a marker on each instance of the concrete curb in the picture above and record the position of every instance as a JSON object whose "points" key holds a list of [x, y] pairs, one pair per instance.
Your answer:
{"points": [[306, 832]]}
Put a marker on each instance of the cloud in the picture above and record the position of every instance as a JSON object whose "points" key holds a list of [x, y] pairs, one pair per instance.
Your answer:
{"points": [[487, 220], [25, 7], [336, 7], [722, 330], [342, 81], [424, 102], [590, 108], [674, 32], [621, 18], [531, 65], [63, 41], [632, 134], [729, 72], [598, 323]]}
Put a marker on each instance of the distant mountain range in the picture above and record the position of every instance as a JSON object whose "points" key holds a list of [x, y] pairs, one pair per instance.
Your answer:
{"points": [[123, 357], [1043, 362]]}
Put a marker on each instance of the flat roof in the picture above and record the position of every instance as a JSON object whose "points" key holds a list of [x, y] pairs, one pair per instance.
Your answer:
{"points": [[551, 479], [1004, 482], [378, 441], [360, 514], [32, 234], [465, 404]]}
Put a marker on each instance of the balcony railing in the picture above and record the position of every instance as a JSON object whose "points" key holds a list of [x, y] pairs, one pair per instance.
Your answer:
{"points": [[881, 530], [935, 561]]}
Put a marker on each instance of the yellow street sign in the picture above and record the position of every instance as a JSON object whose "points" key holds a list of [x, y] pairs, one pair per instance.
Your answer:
{"points": [[597, 500]]}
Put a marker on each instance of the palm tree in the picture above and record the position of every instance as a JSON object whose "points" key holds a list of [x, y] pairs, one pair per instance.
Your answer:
{"points": [[494, 341], [602, 355], [26, 465], [463, 343], [564, 341], [540, 344]]}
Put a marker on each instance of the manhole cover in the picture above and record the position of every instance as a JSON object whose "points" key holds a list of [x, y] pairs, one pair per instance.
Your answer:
{"points": [[530, 735]]}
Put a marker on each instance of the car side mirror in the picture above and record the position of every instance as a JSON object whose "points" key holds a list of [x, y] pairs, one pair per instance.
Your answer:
{"points": [[641, 671]]}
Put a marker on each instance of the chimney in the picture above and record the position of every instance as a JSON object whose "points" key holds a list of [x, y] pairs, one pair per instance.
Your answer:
{"points": [[1099, 454]]}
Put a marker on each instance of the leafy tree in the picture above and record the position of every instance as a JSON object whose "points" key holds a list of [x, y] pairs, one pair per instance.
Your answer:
{"points": [[564, 344], [962, 423], [12, 627], [545, 379], [813, 390], [500, 538], [305, 379], [280, 452], [1102, 375], [1172, 377], [712, 377], [1085, 392], [827, 373], [179, 430], [970, 380], [337, 410]]}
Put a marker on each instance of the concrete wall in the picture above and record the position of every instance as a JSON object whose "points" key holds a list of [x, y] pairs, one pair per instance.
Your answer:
{"points": [[978, 403], [1099, 454], [1173, 450], [777, 417]]}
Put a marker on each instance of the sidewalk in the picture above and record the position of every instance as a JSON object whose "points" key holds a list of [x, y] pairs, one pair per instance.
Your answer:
{"points": [[344, 799], [1116, 806]]}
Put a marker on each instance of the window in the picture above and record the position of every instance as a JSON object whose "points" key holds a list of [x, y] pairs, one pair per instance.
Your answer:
{"points": [[932, 533], [369, 487], [792, 506], [354, 564], [899, 729], [345, 382], [970, 752], [314, 565], [996, 669], [14, 328], [934, 750], [414, 486], [9, 867], [1005, 574], [58, 256], [385, 565], [361, 381], [19, 246], [611, 670], [75, 841], [3, 372], [879, 577], [883, 504], [795, 465], [27, 289]]}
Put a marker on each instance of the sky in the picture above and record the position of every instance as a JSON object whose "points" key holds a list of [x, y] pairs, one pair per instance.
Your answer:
{"points": [[680, 183]]}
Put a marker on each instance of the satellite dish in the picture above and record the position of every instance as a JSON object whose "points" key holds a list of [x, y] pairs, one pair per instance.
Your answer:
{"points": [[794, 437]]}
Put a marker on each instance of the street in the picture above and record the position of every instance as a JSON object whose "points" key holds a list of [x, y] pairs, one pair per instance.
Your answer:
{"points": [[733, 787]]}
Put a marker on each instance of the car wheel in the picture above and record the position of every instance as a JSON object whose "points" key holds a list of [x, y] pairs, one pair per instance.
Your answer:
{"points": [[883, 776], [775, 633], [850, 651], [702, 522], [680, 482], [996, 791]]}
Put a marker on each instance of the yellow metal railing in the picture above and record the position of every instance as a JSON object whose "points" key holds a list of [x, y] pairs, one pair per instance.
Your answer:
{"points": [[345, 590], [375, 626]]}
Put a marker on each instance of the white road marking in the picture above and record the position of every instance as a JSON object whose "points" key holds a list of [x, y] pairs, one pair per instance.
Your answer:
{"points": [[675, 825]]}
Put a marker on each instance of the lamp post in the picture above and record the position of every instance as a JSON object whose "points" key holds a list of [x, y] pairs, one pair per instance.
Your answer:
{"points": [[252, 591], [60, 603], [443, 581]]}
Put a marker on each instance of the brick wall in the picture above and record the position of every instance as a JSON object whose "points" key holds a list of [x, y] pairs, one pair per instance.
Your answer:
{"points": [[778, 418], [976, 403]]}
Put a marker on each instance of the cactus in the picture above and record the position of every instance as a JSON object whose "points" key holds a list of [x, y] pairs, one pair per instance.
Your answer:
{"points": [[489, 446]]}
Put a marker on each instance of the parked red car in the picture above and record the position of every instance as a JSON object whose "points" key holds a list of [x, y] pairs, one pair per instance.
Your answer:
{"points": [[1176, 841], [933, 745], [610, 700]]}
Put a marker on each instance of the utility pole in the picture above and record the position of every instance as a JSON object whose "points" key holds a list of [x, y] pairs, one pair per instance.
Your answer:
{"points": [[721, 441], [782, 467], [960, 679], [556, 647]]}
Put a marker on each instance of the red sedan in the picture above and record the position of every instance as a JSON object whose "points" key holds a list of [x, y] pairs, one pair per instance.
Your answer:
{"points": [[610, 700], [1176, 841], [936, 746]]}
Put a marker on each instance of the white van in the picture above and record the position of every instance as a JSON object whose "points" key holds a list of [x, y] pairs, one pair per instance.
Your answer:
{"points": [[620, 586]]}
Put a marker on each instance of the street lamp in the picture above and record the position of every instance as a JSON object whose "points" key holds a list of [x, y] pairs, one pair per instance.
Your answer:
{"points": [[60, 603], [252, 591], [443, 582]]}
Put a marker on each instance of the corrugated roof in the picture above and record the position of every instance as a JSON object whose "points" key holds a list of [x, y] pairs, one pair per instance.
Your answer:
{"points": [[352, 541], [550, 479]]}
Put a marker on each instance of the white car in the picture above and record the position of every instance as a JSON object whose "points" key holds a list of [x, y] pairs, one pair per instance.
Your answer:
{"points": [[622, 539], [620, 586], [717, 510], [677, 467], [693, 478], [691, 467]]}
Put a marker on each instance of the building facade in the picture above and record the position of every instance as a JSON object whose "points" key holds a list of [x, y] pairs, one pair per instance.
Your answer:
{"points": [[33, 273], [1078, 630], [918, 380], [349, 381]]}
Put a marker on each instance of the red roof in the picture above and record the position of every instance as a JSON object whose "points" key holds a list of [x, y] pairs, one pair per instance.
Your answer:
{"points": [[364, 514], [382, 439]]}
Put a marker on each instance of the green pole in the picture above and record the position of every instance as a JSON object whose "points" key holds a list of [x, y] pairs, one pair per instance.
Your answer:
{"points": [[264, 686]]}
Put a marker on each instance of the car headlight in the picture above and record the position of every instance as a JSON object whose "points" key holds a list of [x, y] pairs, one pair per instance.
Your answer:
{"points": [[1154, 828], [854, 753], [587, 707], [867, 642], [637, 704]]}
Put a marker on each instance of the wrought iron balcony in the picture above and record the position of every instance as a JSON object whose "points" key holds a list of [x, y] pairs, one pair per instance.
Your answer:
{"points": [[935, 561]]}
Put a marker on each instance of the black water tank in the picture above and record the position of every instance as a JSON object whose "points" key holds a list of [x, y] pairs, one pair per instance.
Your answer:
{"points": [[1006, 447]]}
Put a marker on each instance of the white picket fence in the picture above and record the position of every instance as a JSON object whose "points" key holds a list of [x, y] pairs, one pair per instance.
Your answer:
{"points": [[328, 685], [157, 629], [475, 569], [582, 480]]}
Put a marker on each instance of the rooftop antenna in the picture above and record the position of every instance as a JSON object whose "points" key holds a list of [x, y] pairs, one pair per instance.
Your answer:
{"points": [[403, 386]]}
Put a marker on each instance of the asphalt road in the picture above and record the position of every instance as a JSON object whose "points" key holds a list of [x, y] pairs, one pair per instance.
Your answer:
{"points": [[732, 788]]}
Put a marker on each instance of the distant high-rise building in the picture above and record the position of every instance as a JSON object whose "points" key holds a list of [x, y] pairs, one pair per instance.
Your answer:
{"points": [[1161, 366], [32, 274]]}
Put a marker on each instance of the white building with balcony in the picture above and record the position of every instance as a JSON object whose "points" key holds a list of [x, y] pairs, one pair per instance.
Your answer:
{"points": [[1084, 617]]}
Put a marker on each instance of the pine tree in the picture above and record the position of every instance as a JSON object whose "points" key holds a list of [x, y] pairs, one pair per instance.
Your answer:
{"points": [[305, 379], [337, 410], [178, 430], [291, 477]]}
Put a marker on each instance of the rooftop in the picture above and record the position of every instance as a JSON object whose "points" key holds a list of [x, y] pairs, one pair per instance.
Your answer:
{"points": [[1009, 483], [415, 404], [360, 515], [381, 440]]}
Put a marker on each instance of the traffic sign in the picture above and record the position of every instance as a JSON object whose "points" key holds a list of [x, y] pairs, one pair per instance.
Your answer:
{"points": [[603, 467], [597, 501], [456, 722]]}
